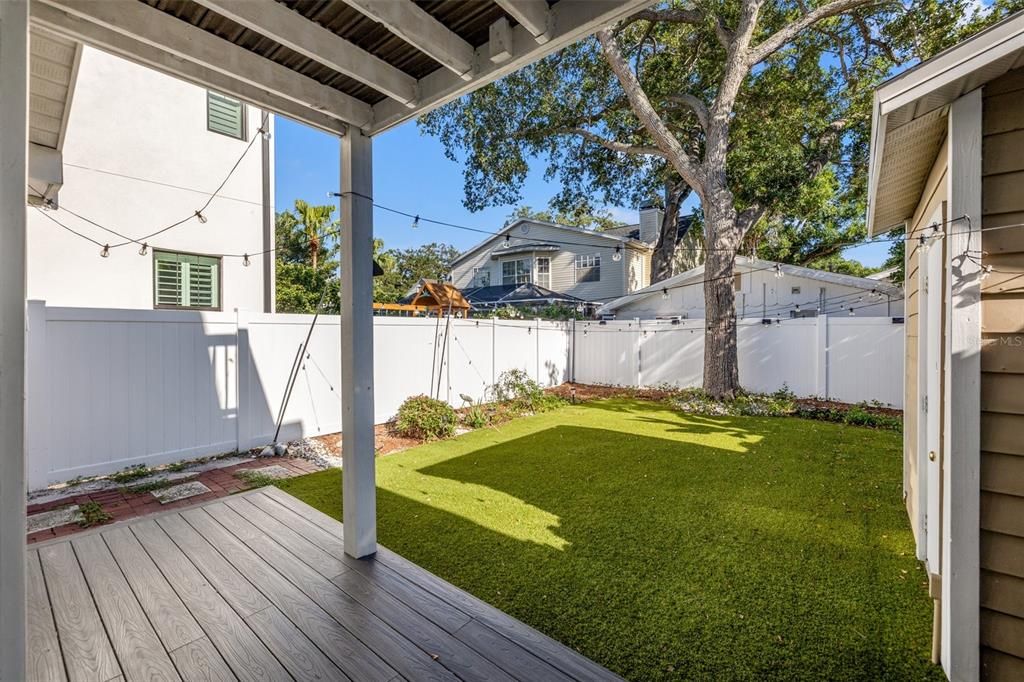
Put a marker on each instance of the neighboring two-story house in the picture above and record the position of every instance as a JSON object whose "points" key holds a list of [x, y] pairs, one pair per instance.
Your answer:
{"points": [[117, 145], [552, 262]]}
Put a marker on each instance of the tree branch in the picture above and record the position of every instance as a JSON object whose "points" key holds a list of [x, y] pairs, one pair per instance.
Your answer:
{"points": [[673, 15], [784, 35], [672, 151], [613, 145], [695, 104]]}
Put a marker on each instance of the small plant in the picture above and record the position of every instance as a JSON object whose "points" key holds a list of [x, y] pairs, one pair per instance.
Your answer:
{"points": [[177, 466], [423, 417], [696, 401], [132, 473], [92, 514], [522, 394], [864, 414], [255, 479], [476, 417], [150, 486]]}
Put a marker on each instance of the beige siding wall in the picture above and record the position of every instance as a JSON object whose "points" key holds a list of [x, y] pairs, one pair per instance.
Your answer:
{"points": [[613, 281], [1002, 381], [932, 199]]}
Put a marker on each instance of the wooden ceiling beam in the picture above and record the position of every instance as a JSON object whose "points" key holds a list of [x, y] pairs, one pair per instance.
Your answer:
{"points": [[140, 23], [289, 28], [412, 24]]}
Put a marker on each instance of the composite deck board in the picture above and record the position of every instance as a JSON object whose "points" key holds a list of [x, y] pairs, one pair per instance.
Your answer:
{"points": [[257, 586], [87, 652], [248, 657], [45, 662], [199, 661], [138, 649], [175, 626], [345, 649]]}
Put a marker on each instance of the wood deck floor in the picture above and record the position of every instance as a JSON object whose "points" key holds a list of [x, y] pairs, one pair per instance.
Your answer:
{"points": [[257, 587]]}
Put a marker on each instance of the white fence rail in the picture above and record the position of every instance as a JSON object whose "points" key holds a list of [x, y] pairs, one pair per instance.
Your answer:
{"points": [[113, 388], [847, 359]]}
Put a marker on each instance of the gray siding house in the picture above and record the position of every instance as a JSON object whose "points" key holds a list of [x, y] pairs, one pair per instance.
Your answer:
{"points": [[592, 266]]}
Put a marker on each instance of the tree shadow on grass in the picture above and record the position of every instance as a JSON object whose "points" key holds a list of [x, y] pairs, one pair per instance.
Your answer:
{"points": [[662, 559]]}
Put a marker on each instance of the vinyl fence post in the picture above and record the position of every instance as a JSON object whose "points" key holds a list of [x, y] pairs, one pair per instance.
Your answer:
{"points": [[821, 366], [37, 449], [243, 358], [536, 343], [494, 350], [639, 354]]}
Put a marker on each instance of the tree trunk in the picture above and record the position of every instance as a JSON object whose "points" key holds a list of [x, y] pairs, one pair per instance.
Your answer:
{"points": [[314, 251], [663, 258], [721, 363]]}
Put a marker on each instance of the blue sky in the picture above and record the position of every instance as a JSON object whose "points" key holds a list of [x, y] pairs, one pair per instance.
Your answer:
{"points": [[411, 174]]}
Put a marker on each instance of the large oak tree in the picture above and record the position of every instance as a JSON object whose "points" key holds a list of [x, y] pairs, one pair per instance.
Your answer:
{"points": [[760, 108]]}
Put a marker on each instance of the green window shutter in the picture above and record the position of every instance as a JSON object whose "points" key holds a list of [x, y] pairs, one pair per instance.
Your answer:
{"points": [[225, 115], [186, 281]]}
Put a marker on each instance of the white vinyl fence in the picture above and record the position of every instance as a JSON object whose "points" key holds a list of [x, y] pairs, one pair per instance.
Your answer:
{"points": [[109, 389]]}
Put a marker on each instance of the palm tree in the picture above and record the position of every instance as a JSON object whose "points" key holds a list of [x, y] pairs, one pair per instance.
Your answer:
{"points": [[314, 222]]}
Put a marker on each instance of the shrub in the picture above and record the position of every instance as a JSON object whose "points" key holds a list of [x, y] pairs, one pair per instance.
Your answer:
{"points": [[856, 415], [423, 417], [520, 393], [696, 401], [476, 417]]}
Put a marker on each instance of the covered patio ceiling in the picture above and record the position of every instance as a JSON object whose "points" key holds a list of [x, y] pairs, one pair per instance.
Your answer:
{"points": [[371, 64]]}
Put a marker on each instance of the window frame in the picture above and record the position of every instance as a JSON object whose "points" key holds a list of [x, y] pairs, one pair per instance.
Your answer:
{"points": [[537, 272], [478, 272], [220, 282], [594, 260], [243, 112], [517, 273]]}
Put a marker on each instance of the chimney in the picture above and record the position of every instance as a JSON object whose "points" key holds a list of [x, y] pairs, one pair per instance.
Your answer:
{"points": [[651, 216]]}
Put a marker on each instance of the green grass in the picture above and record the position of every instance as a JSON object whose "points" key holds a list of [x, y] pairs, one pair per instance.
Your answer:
{"points": [[672, 547]]}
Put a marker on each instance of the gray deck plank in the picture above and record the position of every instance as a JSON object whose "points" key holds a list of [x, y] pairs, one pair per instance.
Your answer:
{"points": [[44, 658], [557, 654], [138, 649], [289, 525], [87, 651], [452, 653], [507, 654], [411, 661], [241, 648], [198, 661], [225, 578], [300, 656], [173, 623], [341, 646], [322, 562]]}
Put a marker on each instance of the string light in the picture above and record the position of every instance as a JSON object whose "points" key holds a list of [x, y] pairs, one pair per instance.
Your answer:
{"points": [[851, 313], [105, 251], [415, 222], [508, 241], [617, 254], [265, 133], [664, 293], [143, 249], [202, 218], [245, 260], [986, 270], [778, 271]]}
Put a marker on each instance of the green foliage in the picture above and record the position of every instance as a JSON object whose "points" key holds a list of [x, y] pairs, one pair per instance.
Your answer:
{"points": [[255, 479], [130, 474], [696, 401], [521, 394], [582, 216], [426, 418], [897, 257], [92, 514], [304, 271], [403, 268], [476, 417], [300, 288], [670, 547], [856, 415]]}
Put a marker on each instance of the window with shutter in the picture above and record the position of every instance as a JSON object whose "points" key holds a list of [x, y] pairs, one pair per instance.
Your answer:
{"points": [[225, 115], [185, 280]]}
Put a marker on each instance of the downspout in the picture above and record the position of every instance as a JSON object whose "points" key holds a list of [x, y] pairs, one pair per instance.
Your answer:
{"points": [[269, 270]]}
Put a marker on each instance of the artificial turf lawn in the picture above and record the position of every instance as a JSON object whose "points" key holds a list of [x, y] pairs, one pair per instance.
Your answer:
{"points": [[671, 547]]}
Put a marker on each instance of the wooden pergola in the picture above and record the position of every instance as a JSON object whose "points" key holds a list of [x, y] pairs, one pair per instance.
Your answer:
{"points": [[353, 68]]}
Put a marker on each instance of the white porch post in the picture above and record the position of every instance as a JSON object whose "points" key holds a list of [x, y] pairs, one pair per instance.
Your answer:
{"points": [[13, 179], [961, 457], [357, 444]]}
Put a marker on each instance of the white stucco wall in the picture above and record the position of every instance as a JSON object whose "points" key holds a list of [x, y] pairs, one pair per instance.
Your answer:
{"points": [[760, 291], [138, 157]]}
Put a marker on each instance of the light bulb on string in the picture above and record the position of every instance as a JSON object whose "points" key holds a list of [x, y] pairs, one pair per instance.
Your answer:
{"points": [[201, 217], [245, 259], [415, 222], [265, 133], [508, 241], [797, 310], [851, 313], [664, 293], [105, 251], [986, 270], [617, 254], [778, 271], [143, 249]]}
